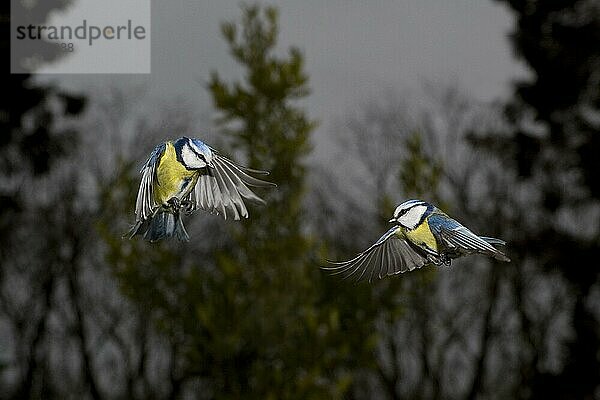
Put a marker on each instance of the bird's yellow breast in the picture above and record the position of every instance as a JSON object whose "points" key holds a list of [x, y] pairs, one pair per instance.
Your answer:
{"points": [[422, 236], [173, 179]]}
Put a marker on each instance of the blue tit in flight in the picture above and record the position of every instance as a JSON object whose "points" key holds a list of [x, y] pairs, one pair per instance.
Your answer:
{"points": [[185, 175], [422, 234]]}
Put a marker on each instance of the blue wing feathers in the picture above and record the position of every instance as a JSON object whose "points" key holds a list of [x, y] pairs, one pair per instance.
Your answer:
{"points": [[439, 222], [154, 156], [456, 235]]}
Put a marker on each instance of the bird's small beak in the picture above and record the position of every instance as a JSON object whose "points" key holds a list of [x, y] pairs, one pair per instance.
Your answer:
{"points": [[391, 221]]}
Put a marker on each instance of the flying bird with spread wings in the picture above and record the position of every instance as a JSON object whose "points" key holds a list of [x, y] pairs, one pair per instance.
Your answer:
{"points": [[185, 175], [422, 234]]}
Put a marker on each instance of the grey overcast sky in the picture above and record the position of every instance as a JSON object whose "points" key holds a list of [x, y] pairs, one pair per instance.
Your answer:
{"points": [[354, 49]]}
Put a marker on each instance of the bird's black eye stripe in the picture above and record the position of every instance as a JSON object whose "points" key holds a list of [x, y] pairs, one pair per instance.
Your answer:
{"points": [[198, 154]]}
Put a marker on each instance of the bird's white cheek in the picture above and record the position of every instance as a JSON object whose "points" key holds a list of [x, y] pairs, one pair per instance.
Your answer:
{"points": [[412, 217], [191, 160]]}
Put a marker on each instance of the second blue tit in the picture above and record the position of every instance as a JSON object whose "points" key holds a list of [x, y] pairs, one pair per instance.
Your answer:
{"points": [[185, 175], [422, 234]]}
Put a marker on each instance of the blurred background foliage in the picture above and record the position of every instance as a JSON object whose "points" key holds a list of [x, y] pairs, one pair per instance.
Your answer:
{"points": [[242, 310]]}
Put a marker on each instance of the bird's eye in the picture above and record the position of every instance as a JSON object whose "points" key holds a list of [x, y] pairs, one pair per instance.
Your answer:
{"points": [[399, 213]]}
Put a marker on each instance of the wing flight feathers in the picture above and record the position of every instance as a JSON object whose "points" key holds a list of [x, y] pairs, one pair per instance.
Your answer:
{"points": [[390, 255], [225, 190]]}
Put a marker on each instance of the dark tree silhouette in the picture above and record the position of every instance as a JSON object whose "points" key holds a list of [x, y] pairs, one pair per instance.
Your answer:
{"points": [[31, 148], [554, 148]]}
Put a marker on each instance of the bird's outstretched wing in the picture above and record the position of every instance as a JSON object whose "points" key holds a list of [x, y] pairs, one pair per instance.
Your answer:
{"points": [[145, 204], [390, 255], [225, 188], [456, 236]]}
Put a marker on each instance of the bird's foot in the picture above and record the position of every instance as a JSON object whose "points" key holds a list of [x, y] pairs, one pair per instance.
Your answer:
{"points": [[435, 260], [174, 204], [446, 261], [188, 207], [441, 260]]}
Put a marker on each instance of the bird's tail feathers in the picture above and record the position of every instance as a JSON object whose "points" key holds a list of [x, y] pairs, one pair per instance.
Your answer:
{"points": [[135, 230], [497, 254], [494, 241], [164, 224]]}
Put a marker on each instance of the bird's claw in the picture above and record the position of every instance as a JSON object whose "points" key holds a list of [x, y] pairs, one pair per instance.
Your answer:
{"points": [[446, 261], [188, 207], [174, 204], [441, 260]]}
